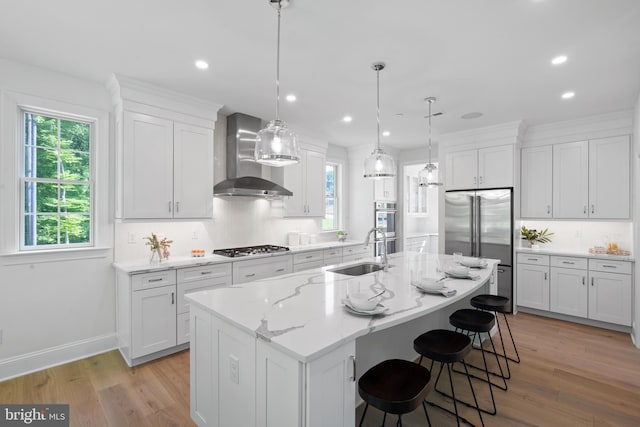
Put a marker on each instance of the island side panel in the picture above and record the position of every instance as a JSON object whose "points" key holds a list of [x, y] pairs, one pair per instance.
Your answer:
{"points": [[203, 376]]}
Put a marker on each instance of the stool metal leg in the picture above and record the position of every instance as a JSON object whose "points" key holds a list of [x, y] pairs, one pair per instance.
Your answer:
{"points": [[384, 419], [363, 414], [426, 414], [459, 417]]}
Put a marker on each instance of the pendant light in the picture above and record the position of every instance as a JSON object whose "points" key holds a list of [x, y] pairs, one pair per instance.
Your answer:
{"points": [[425, 176], [276, 144], [379, 164]]}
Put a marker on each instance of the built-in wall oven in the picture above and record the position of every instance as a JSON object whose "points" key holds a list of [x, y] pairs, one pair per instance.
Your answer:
{"points": [[385, 217]]}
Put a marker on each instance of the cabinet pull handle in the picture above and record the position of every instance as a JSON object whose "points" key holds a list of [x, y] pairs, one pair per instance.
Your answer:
{"points": [[548, 209], [568, 262], [585, 209], [608, 266], [474, 180], [280, 269], [500, 270], [173, 298], [309, 256], [206, 272], [250, 275], [480, 179], [169, 204], [155, 280], [583, 281], [592, 281], [532, 259], [545, 275], [353, 365], [593, 208], [177, 206]]}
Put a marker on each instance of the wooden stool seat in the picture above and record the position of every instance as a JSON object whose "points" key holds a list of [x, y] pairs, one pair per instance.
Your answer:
{"points": [[443, 345], [495, 303], [395, 386], [472, 320]]}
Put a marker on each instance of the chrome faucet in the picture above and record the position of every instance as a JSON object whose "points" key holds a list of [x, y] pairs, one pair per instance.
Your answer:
{"points": [[385, 260]]}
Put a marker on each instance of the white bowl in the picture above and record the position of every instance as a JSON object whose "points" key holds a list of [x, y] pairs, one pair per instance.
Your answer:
{"points": [[361, 301]]}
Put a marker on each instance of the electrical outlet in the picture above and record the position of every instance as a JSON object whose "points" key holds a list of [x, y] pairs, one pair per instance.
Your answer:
{"points": [[131, 238], [578, 234], [195, 235], [234, 369]]}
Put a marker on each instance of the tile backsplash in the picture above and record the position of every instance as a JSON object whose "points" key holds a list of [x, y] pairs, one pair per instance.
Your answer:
{"points": [[582, 235]]}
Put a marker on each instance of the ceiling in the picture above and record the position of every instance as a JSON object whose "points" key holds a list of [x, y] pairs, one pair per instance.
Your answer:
{"points": [[490, 56]]}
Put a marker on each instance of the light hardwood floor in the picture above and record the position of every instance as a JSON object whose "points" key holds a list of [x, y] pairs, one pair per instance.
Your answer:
{"points": [[570, 375]]}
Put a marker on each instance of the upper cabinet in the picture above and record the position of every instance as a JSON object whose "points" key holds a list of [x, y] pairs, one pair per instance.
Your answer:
{"points": [[385, 189], [164, 152], [537, 182], [584, 179], [306, 180], [490, 167]]}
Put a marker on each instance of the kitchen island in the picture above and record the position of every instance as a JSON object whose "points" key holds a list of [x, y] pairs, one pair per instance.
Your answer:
{"points": [[284, 351]]}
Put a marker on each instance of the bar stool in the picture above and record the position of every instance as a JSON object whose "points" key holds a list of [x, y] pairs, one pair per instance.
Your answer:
{"points": [[477, 322], [498, 304], [395, 386], [447, 347]]}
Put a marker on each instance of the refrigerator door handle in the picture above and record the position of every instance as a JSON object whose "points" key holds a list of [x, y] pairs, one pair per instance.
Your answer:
{"points": [[478, 232], [472, 225]]}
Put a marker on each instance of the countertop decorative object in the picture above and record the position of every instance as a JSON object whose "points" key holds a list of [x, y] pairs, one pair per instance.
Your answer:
{"points": [[534, 236], [159, 246]]}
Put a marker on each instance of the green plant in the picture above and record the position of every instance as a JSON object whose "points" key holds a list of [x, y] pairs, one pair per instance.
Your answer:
{"points": [[534, 236]]}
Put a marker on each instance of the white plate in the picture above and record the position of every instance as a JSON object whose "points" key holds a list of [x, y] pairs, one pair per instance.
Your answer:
{"points": [[474, 263], [430, 283], [378, 310]]}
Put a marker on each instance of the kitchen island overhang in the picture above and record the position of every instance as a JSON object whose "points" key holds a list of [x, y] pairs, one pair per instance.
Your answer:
{"points": [[282, 351]]}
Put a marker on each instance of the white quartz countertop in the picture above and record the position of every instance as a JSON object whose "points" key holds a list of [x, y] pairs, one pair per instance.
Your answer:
{"points": [[303, 315], [143, 265], [575, 253]]}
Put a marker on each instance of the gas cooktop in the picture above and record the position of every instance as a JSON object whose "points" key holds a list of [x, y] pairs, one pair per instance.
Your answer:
{"points": [[250, 250]]}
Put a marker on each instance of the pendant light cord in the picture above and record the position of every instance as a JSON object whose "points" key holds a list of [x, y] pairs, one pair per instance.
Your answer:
{"points": [[378, 102], [430, 102], [278, 67]]}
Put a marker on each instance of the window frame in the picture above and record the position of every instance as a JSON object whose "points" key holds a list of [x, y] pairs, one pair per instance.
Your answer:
{"points": [[22, 179], [337, 222]]}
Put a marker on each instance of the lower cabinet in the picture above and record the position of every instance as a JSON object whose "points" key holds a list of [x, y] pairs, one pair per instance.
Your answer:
{"points": [[153, 320], [595, 289], [261, 268], [230, 366], [356, 253]]}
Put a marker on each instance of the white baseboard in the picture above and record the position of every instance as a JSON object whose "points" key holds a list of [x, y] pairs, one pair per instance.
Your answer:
{"points": [[54, 356]]}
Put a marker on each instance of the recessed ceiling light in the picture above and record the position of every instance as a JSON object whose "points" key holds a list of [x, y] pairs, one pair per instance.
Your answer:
{"points": [[568, 95], [203, 65], [559, 60], [473, 115], [386, 133], [291, 98], [347, 119]]}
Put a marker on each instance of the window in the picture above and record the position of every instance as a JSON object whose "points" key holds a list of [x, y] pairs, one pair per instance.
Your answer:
{"points": [[331, 204], [57, 191]]}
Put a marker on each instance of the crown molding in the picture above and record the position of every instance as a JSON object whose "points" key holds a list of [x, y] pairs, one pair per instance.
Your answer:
{"points": [[509, 133]]}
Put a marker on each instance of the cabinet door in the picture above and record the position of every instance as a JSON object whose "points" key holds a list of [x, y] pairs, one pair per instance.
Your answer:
{"points": [[147, 166], [385, 189], [570, 180], [153, 320], [315, 175], [331, 386], [462, 170], [193, 171], [537, 182], [495, 167], [610, 297], [568, 291], [609, 178], [533, 286], [294, 182]]}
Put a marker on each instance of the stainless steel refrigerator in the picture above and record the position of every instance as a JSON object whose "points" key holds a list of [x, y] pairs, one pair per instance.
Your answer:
{"points": [[480, 223]]}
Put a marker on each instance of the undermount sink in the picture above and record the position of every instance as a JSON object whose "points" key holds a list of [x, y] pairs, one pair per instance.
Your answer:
{"points": [[358, 269]]}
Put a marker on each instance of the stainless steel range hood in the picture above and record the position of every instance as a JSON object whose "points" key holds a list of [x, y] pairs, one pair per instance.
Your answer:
{"points": [[244, 175]]}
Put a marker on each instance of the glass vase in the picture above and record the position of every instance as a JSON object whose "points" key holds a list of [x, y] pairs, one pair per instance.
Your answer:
{"points": [[155, 257]]}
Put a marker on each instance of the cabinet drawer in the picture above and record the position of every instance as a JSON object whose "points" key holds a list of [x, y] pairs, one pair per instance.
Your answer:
{"points": [[192, 274], [153, 280], [332, 253], [332, 261], [358, 249], [249, 270], [623, 267], [308, 265], [533, 259], [569, 262], [308, 256]]}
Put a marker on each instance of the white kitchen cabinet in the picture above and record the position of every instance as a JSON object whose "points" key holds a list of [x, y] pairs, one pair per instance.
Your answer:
{"points": [[356, 253], [610, 290], [384, 189], [609, 178], [571, 180], [260, 268], [308, 260], [568, 286], [532, 274], [306, 180], [536, 182], [167, 168], [153, 320], [490, 167]]}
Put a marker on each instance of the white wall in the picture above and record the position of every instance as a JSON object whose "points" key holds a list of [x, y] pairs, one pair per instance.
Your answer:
{"points": [[54, 307], [579, 236]]}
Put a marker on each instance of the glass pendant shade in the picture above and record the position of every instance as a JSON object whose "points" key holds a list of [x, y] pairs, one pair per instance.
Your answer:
{"points": [[379, 165], [426, 176], [277, 145]]}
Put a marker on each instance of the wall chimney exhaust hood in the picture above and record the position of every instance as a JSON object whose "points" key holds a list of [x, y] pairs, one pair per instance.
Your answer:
{"points": [[243, 172]]}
